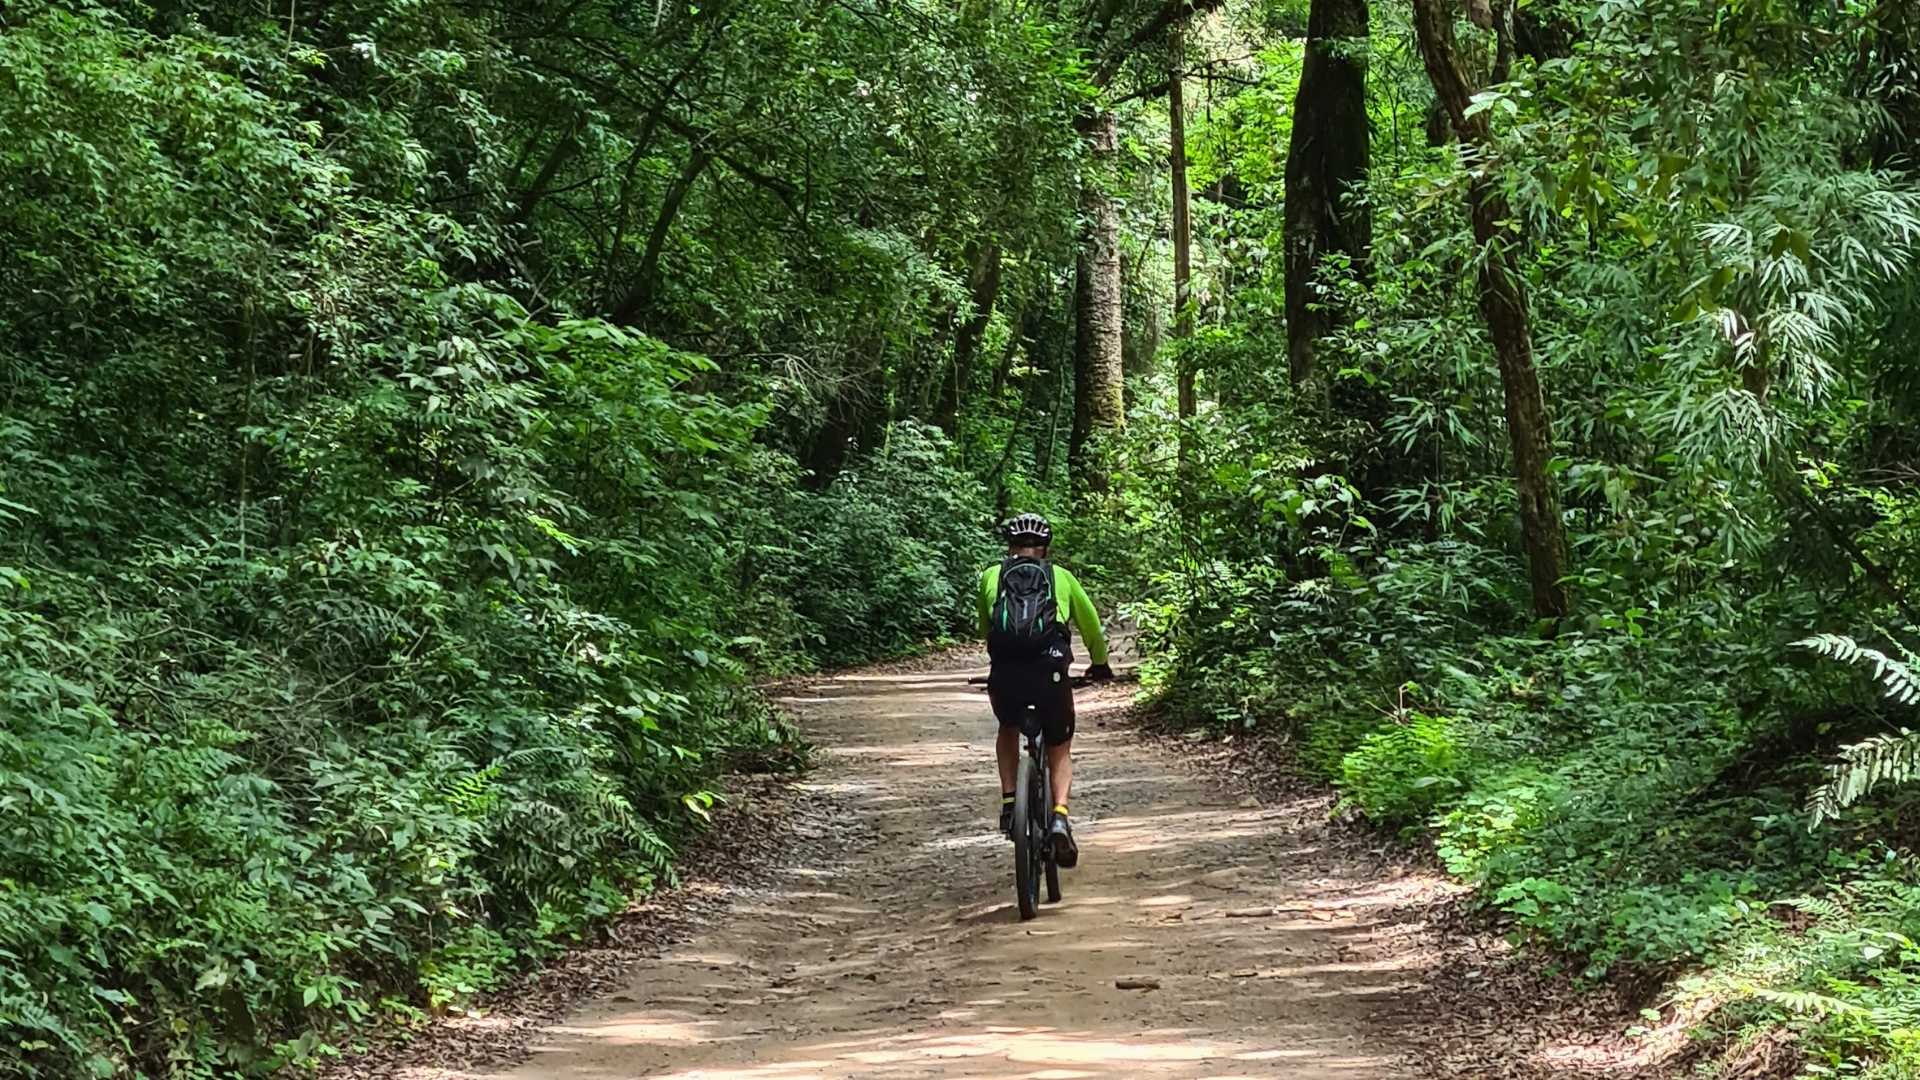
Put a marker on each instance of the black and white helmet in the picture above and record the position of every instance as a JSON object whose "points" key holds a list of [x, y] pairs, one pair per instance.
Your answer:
{"points": [[1027, 530]]}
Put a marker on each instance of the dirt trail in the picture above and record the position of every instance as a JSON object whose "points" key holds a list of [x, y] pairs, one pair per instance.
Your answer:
{"points": [[903, 956]]}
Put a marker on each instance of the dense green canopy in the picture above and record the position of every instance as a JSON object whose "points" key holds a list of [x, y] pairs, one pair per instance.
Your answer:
{"points": [[422, 420]]}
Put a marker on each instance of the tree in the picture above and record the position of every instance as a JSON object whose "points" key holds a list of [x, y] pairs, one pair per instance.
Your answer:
{"points": [[1099, 340], [1182, 225], [1503, 301], [1887, 70], [1099, 403], [1326, 165], [983, 290]]}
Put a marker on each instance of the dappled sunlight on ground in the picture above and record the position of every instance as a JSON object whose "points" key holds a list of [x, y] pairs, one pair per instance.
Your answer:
{"points": [[989, 1051], [903, 956]]}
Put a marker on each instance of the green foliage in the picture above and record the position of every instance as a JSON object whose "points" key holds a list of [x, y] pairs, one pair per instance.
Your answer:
{"points": [[1720, 284], [1883, 759], [420, 422], [886, 558], [371, 617], [1839, 968], [428, 726], [1401, 772]]}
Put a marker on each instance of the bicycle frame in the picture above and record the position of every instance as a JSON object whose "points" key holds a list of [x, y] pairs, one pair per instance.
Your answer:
{"points": [[1033, 859], [1032, 840]]}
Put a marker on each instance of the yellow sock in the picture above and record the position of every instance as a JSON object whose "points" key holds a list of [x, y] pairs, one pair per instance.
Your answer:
{"points": [[1060, 808]]}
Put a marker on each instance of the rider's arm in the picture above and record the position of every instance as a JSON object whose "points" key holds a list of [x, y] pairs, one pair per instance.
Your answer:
{"points": [[1085, 619], [989, 584]]}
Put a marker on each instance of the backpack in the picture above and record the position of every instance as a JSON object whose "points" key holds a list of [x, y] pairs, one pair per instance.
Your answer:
{"points": [[1025, 620]]}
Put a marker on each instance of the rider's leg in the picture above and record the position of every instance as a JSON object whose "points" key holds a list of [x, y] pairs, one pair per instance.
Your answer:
{"points": [[1007, 711], [1007, 749], [1060, 767], [1060, 743]]}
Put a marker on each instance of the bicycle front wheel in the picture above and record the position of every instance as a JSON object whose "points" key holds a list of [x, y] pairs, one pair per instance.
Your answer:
{"points": [[1028, 837]]}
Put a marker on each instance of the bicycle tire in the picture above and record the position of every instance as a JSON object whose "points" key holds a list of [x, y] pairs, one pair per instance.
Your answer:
{"points": [[1040, 824], [1026, 850]]}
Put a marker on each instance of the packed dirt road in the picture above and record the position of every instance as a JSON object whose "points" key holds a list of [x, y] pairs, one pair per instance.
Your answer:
{"points": [[903, 955]]}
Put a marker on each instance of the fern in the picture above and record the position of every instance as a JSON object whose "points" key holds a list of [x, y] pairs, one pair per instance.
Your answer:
{"points": [[1896, 677], [1820, 907], [1804, 1002], [1862, 767], [1883, 759], [1846, 982]]}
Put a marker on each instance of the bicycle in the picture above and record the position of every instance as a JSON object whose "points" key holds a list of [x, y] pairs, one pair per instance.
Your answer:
{"points": [[1033, 859]]}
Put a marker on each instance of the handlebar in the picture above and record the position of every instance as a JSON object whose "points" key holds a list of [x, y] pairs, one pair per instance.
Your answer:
{"points": [[1078, 682]]}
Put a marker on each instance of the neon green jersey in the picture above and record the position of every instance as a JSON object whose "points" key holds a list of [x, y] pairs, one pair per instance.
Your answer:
{"points": [[1075, 607]]}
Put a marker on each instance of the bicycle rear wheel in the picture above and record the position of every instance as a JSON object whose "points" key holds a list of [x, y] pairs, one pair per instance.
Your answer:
{"points": [[1041, 798], [1027, 839]]}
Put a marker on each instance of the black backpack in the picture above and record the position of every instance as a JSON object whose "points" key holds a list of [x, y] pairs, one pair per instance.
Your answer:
{"points": [[1025, 619]]}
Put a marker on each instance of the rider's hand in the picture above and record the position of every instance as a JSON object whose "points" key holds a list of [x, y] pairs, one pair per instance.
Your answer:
{"points": [[1099, 673]]}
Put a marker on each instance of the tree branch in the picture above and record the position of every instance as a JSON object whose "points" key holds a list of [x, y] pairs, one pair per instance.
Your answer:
{"points": [[1175, 11], [781, 189], [1160, 88]]}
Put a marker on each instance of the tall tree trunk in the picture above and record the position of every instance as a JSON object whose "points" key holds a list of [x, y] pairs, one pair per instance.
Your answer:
{"points": [[1046, 439], [1098, 348], [997, 478], [984, 286], [1887, 70], [828, 455], [1028, 324], [850, 416], [562, 150], [623, 207], [1182, 228], [1503, 304], [647, 278], [1082, 428], [1187, 402], [1326, 162]]}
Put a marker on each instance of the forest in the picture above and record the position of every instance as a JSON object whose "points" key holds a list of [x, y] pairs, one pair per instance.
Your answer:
{"points": [[423, 423]]}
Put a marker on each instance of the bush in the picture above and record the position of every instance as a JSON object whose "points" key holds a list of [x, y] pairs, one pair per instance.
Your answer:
{"points": [[360, 634], [1402, 772], [885, 559], [1839, 968], [405, 744], [1577, 780]]}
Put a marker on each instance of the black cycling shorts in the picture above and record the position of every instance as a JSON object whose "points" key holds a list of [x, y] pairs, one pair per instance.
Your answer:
{"points": [[1020, 692]]}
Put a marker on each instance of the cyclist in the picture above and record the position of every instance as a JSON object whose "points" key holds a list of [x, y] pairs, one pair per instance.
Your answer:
{"points": [[1026, 605]]}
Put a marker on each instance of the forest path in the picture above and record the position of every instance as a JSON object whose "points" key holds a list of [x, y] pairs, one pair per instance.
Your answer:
{"points": [[900, 953]]}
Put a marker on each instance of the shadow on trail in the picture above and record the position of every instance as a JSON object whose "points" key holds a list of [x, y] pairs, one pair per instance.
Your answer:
{"points": [[892, 949]]}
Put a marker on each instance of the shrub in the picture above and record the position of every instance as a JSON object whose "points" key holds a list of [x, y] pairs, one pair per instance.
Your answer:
{"points": [[1839, 968], [886, 558], [1400, 773]]}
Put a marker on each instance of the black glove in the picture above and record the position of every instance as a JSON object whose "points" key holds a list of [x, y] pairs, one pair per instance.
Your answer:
{"points": [[1099, 673]]}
